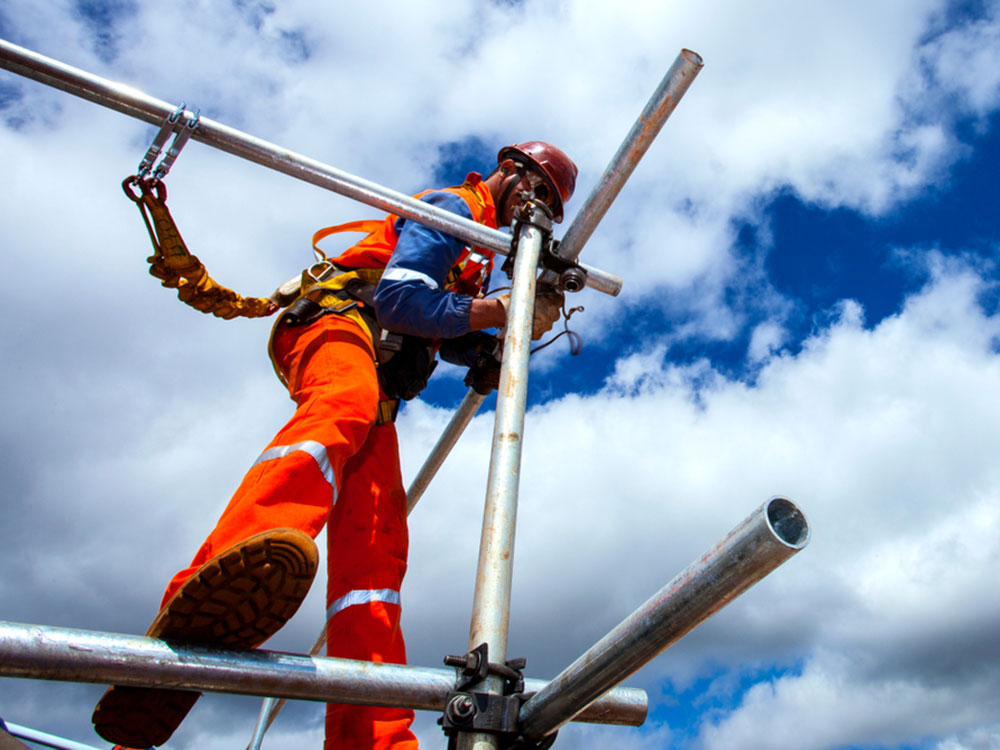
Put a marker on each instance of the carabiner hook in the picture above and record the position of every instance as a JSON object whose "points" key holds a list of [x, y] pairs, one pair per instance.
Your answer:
{"points": [[181, 138], [166, 128]]}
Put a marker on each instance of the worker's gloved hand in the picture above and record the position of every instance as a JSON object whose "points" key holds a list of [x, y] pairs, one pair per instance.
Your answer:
{"points": [[548, 307], [484, 369], [484, 378]]}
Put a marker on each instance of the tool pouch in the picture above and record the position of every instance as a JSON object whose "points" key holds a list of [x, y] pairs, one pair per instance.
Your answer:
{"points": [[406, 373], [303, 311]]}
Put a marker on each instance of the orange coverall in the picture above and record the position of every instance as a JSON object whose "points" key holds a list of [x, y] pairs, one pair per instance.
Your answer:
{"points": [[331, 464]]}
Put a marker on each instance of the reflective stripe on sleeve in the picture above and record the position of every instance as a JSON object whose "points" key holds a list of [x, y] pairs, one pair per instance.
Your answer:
{"points": [[362, 596], [314, 449], [405, 274]]}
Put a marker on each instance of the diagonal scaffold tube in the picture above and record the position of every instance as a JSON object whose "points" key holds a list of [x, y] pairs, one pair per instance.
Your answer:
{"points": [[768, 537]]}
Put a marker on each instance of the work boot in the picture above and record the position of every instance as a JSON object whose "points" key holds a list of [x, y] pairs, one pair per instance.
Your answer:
{"points": [[236, 600]]}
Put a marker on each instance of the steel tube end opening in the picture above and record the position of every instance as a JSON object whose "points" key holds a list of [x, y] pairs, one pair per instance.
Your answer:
{"points": [[693, 57], [787, 522]]}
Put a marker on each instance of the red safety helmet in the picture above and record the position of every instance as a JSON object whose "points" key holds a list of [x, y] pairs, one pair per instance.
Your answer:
{"points": [[551, 163]]}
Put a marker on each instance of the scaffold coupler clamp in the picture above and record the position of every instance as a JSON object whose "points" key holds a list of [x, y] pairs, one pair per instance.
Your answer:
{"points": [[569, 275], [530, 213], [565, 275], [468, 710], [182, 127]]}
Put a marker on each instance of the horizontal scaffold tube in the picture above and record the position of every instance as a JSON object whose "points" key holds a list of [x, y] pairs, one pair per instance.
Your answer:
{"points": [[766, 539], [49, 653], [132, 102]]}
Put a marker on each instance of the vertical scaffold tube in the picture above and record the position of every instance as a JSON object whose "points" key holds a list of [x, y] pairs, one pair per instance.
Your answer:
{"points": [[491, 604]]}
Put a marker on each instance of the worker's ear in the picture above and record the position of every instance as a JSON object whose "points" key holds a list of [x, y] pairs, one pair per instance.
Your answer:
{"points": [[507, 166]]}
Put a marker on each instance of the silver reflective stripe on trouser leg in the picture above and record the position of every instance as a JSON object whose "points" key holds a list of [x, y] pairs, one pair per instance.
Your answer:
{"points": [[362, 596], [314, 449]]}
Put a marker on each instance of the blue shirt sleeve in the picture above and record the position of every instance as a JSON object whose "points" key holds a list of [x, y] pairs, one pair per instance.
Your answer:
{"points": [[410, 298]]}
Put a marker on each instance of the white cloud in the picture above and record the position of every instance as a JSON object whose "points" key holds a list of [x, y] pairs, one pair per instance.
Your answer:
{"points": [[983, 738], [766, 338]]}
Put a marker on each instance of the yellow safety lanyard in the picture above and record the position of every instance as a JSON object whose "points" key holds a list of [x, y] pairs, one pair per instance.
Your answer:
{"points": [[174, 265]]}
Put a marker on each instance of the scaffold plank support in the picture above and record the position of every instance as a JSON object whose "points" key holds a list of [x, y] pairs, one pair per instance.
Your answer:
{"points": [[67, 655]]}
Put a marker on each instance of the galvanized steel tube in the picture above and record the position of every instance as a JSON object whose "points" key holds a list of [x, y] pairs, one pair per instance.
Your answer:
{"points": [[636, 143], [452, 432], [132, 102], [48, 653], [269, 710], [42, 738], [491, 602], [271, 707], [766, 539]]}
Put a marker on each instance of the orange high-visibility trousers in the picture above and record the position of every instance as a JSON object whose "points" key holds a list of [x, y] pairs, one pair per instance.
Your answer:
{"points": [[330, 462]]}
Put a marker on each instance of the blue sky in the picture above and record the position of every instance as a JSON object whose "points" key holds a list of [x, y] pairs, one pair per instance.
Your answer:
{"points": [[810, 308]]}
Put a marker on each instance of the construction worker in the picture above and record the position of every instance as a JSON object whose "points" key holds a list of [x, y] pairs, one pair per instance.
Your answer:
{"points": [[336, 461]]}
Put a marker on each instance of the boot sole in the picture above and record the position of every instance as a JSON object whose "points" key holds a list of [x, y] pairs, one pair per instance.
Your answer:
{"points": [[236, 600]]}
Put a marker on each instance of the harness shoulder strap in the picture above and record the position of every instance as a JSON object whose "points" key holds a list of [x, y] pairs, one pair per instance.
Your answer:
{"points": [[365, 225]]}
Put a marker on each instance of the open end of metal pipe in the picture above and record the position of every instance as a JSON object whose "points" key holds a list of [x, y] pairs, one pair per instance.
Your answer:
{"points": [[692, 57], [787, 522]]}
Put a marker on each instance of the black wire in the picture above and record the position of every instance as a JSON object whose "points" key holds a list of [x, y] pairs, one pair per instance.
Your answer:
{"points": [[575, 340]]}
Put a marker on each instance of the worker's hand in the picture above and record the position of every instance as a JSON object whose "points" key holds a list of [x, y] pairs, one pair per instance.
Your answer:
{"points": [[484, 378], [484, 368], [548, 307]]}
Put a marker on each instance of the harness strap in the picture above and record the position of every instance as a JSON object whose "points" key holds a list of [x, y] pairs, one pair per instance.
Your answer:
{"points": [[364, 225]]}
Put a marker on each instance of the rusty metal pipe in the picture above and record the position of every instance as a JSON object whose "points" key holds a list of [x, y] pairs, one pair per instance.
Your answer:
{"points": [[767, 538], [636, 143], [63, 654], [135, 103], [491, 601]]}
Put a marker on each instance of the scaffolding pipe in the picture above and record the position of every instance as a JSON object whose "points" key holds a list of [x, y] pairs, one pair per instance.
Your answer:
{"points": [[452, 432], [134, 103], [42, 738], [491, 601], [767, 538], [67, 655], [636, 143], [270, 707]]}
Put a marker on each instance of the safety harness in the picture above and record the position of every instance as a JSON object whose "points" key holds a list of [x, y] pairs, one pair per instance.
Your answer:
{"points": [[403, 363]]}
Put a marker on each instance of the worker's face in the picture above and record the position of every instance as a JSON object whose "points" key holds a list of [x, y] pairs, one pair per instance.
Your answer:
{"points": [[532, 183]]}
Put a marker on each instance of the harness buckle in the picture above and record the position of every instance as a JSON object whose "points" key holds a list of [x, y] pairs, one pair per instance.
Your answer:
{"points": [[321, 270]]}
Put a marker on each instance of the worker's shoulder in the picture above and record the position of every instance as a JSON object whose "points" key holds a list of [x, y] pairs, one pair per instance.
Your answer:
{"points": [[448, 200]]}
